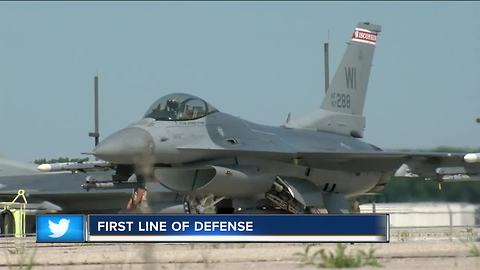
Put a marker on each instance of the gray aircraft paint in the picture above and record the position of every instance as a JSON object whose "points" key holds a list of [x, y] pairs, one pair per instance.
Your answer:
{"points": [[173, 143], [317, 160], [351, 78], [342, 108], [62, 192]]}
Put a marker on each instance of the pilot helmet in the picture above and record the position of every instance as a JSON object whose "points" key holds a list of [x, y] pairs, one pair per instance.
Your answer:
{"points": [[173, 104]]}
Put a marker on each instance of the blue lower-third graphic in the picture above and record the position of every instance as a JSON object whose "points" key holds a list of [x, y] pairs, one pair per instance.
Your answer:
{"points": [[60, 228]]}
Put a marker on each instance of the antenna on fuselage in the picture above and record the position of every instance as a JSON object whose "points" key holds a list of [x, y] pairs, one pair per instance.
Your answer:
{"points": [[326, 66], [95, 134]]}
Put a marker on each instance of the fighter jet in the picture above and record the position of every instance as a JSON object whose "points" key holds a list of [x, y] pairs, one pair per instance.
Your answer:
{"points": [[221, 163], [62, 192]]}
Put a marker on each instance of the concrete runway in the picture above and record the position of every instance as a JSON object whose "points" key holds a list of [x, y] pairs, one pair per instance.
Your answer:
{"points": [[408, 249]]}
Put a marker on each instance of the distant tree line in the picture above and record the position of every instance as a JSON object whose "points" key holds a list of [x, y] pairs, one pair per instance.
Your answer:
{"points": [[59, 160], [425, 191], [400, 190]]}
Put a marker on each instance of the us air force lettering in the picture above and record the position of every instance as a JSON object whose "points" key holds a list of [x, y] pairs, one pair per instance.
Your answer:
{"points": [[218, 163]]}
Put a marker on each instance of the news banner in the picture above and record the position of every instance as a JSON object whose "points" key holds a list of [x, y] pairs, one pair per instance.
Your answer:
{"points": [[373, 228]]}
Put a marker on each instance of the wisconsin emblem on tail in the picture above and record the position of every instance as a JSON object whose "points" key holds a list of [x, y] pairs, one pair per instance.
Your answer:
{"points": [[342, 108]]}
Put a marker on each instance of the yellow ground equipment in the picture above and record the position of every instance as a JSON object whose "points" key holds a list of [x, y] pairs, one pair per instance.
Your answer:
{"points": [[13, 216]]}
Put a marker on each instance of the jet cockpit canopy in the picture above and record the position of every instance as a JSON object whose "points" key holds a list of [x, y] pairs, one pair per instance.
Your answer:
{"points": [[179, 107]]}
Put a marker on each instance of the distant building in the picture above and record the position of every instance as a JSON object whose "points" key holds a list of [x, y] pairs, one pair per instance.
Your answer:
{"points": [[428, 214]]}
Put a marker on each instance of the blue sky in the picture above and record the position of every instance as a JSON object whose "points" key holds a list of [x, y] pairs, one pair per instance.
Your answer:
{"points": [[258, 61]]}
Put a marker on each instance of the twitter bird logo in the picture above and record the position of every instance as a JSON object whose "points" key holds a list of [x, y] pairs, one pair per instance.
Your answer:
{"points": [[58, 229]]}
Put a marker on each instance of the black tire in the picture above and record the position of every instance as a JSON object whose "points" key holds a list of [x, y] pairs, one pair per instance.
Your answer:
{"points": [[1, 225], [7, 223], [225, 206]]}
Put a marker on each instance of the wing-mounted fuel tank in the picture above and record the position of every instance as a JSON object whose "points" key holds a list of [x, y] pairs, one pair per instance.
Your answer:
{"points": [[222, 181]]}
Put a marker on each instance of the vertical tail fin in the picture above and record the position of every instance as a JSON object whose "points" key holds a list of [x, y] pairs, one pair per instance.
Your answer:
{"points": [[342, 108], [347, 91]]}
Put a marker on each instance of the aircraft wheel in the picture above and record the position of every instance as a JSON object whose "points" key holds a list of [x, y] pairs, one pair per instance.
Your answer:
{"points": [[225, 207], [7, 223], [315, 211]]}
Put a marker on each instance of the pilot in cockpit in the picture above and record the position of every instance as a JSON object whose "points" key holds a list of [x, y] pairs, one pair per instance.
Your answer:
{"points": [[172, 109]]}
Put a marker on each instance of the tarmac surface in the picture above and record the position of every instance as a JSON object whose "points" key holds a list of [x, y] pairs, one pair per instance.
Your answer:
{"points": [[435, 248]]}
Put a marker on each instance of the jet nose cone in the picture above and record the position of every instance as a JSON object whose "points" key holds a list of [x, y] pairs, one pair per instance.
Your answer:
{"points": [[125, 146]]}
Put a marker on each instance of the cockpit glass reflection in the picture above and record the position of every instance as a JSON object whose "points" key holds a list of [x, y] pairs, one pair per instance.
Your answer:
{"points": [[179, 107]]}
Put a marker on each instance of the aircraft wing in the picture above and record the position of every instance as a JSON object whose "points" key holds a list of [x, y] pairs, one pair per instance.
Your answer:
{"points": [[415, 163], [419, 163], [381, 160]]}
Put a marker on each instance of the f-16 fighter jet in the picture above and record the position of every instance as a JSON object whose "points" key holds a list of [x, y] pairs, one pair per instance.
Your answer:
{"points": [[220, 163]]}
